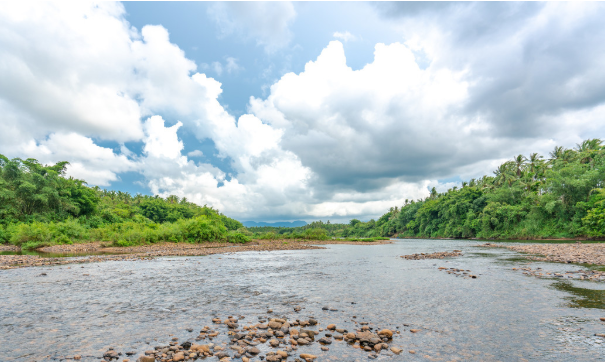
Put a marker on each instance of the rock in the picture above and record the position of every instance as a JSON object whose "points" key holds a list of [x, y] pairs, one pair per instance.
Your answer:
{"points": [[310, 334], [274, 325], [350, 335], [325, 340], [111, 354], [331, 327], [602, 319], [282, 354], [186, 345], [273, 358], [180, 356], [200, 348], [386, 333], [253, 350], [307, 357], [414, 330], [274, 342], [365, 336], [245, 359], [312, 322], [325, 349], [146, 359], [412, 351], [220, 355]]}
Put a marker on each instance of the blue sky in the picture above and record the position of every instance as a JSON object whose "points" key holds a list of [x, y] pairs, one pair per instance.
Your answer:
{"points": [[286, 111]]}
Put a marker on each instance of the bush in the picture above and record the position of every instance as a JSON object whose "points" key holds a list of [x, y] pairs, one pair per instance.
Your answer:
{"points": [[237, 238], [31, 236]]}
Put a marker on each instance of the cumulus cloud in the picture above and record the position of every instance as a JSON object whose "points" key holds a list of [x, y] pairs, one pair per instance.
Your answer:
{"points": [[344, 36], [327, 142], [528, 63], [266, 22]]}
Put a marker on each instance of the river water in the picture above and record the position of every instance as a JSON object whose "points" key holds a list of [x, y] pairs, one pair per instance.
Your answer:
{"points": [[502, 315]]}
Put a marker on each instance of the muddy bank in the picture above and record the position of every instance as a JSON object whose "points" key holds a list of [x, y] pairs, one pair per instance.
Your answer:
{"points": [[158, 250], [562, 253]]}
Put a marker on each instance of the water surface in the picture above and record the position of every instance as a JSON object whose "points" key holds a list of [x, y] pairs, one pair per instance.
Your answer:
{"points": [[502, 315]]}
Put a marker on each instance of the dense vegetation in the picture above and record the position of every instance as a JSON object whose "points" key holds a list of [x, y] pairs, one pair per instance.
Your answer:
{"points": [[39, 206], [528, 197]]}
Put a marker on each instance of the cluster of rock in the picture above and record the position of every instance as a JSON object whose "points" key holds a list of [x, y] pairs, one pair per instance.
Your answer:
{"points": [[593, 275], [458, 272], [284, 337], [437, 255], [577, 253]]}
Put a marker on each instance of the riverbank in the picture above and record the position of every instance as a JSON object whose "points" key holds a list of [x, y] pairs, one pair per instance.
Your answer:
{"points": [[156, 250], [576, 253]]}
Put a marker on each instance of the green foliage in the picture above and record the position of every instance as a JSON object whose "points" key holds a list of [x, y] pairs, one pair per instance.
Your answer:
{"points": [[39, 206], [237, 238]]}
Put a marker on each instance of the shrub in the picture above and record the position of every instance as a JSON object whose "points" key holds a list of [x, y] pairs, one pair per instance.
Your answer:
{"points": [[237, 238], [31, 236]]}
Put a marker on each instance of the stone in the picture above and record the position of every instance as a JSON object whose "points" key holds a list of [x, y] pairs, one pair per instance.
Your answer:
{"points": [[414, 330], [325, 340], [146, 359], [274, 342], [283, 354], [386, 333], [274, 325], [307, 357], [396, 350], [253, 350], [331, 327], [77, 357], [325, 349], [350, 335], [180, 356]]}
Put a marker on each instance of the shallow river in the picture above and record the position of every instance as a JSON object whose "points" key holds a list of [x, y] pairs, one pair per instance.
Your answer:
{"points": [[502, 315]]}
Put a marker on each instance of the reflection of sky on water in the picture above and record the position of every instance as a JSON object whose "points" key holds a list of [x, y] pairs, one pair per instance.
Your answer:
{"points": [[502, 315]]}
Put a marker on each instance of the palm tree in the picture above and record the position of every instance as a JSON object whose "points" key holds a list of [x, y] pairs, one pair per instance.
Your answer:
{"points": [[519, 163], [503, 174], [557, 153]]}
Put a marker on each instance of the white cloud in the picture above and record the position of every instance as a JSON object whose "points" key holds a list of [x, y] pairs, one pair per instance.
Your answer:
{"points": [[266, 22], [327, 142], [232, 66], [344, 36], [195, 153]]}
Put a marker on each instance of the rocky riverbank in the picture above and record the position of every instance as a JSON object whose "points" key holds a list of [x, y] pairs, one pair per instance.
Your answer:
{"points": [[437, 255], [269, 339], [156, 250], [577, 253]]}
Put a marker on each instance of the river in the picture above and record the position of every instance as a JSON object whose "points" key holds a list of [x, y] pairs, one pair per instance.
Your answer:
{"points": [[502, 315]]}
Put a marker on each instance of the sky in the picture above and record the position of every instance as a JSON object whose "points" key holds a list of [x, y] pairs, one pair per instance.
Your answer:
{"points": [[296, 111]]}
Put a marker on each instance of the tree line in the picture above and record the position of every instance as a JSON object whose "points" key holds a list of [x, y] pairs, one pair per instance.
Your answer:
{"points": [[561, 196], [40, 206]]}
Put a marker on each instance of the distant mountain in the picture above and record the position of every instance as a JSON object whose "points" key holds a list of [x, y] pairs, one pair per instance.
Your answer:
{"points": [[288, 224]]}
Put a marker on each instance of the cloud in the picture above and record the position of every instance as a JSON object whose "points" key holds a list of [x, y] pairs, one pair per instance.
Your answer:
{"points": [[345, 36], [326, 142], [526, 62], [195, 153], [266, 22]]}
